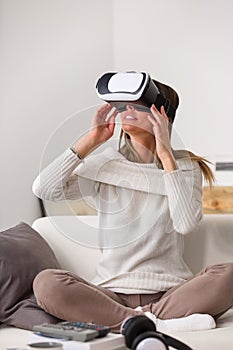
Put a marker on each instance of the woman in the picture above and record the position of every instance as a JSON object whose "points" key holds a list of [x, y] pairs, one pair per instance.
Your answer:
{"points": [[148, 196]]}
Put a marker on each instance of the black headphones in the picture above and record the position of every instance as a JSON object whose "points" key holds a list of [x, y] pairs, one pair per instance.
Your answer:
{"points": [[140, 334]]}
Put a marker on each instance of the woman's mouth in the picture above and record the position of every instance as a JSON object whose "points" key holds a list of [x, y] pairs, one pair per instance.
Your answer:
{"points": [[130, 117]]}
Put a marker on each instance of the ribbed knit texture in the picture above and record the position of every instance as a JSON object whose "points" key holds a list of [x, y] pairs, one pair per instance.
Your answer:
{"points": [[143, 214]]}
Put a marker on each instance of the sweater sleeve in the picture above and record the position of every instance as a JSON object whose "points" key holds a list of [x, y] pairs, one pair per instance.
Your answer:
{"points": [[184, 190], [58, 182]]}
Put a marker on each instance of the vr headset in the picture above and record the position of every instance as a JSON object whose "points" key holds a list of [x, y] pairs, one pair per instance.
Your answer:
{"points": [[134, 88]]}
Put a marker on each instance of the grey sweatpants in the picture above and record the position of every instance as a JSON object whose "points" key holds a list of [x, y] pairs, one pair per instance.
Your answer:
{"points": [[69, 297]]}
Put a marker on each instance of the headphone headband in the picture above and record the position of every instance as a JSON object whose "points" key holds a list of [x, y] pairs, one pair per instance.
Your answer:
{"points": [[137, 328]]}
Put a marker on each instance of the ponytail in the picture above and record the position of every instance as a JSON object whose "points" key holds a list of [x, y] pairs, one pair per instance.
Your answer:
{"points": [[206, 171]]}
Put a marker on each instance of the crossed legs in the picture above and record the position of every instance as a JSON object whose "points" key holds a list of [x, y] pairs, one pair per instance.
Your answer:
{"points": [[69, 297]]}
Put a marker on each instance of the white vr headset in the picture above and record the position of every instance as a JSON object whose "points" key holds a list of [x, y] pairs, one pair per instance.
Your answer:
{"points": [[119, 88]]}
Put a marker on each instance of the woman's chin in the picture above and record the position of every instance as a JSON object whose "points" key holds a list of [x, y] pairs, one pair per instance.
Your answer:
{"points": [[128, 127], [132, 129]]}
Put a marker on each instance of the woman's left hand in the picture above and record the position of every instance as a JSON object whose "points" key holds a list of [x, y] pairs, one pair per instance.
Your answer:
{"points": [[160, 123]]}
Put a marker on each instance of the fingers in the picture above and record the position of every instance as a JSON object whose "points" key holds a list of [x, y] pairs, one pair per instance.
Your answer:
{"points": [[159, 117], [112, 115], [100, 115], [103, 110], [156, 112], [163, 111], [155, 115], [106, 112], [104, 118], [111, 123], [152, 120]]}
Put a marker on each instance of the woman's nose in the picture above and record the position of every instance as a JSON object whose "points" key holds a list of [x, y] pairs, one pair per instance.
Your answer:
{"points": [[130, 107]]}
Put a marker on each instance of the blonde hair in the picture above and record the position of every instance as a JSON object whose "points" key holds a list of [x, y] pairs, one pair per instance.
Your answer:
{"points": [[129, 152], [205, 169]]}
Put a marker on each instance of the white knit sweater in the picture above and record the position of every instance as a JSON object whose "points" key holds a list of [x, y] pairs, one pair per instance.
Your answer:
{"points": [[143, 214]]}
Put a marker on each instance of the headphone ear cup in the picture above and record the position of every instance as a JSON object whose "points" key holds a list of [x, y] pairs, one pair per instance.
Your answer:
{"points": [[154, 341], [134, 326]]}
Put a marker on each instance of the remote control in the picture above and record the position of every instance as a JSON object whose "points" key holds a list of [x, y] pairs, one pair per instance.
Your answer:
{"points": [[80, 331], [102, 330]]}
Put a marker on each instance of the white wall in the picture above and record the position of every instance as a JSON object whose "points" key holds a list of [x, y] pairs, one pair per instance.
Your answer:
{"points": [[51, 54], [187, 44]]}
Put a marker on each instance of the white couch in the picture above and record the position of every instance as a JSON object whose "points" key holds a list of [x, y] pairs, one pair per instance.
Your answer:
{"points": [[72, 239]]}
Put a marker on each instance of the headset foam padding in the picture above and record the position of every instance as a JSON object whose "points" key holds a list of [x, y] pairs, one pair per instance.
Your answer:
{"points": [[150, 334], [135, 326]]}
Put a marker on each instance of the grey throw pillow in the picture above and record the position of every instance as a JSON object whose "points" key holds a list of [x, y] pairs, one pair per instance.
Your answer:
{"points": [[23, 254]]}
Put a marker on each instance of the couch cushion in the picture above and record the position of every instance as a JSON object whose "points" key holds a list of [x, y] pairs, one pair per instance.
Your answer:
{"points": [[210, 242], [214, 339], [74, 239], [23, 254]]}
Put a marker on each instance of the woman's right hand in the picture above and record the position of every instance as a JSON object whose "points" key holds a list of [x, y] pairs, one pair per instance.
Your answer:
{"points": [[102, 129]]}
